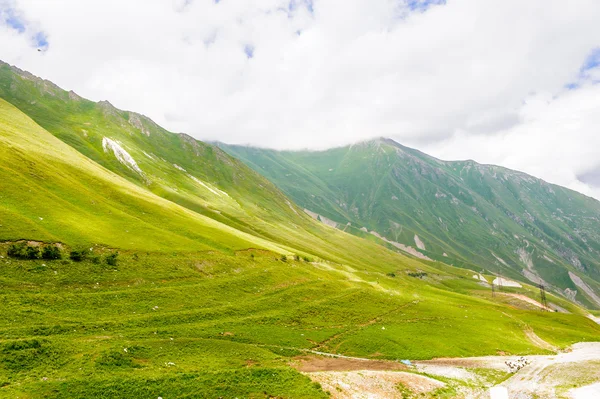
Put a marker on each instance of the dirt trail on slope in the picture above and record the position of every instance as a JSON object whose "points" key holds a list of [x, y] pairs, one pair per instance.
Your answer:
{"points": [[528, 381], [537, 341], [525, 298], [347, 377], [532, 381]]}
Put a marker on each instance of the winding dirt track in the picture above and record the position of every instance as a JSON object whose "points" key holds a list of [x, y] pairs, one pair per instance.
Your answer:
{"points": [[527, 381], [350, 377]]}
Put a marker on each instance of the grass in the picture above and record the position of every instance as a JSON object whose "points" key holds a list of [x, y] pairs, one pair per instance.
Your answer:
{"points": [[210, 294], [199, 323]]}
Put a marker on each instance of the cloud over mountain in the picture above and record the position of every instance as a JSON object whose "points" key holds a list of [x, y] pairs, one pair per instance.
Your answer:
{"points": [[507, 82]]}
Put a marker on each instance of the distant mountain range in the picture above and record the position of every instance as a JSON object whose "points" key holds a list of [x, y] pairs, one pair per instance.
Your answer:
{"points": [[482, 217]]}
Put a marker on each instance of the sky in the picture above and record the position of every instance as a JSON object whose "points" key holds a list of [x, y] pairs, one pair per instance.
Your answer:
{"points": [[508, 82]]}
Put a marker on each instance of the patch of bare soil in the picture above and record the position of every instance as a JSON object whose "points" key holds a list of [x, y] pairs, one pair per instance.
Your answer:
{"points": [[530, 301], [491, 362], [370, 384], [537, 341], [309, 364]]}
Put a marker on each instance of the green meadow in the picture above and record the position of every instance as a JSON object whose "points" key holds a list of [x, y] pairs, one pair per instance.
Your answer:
{"points": [[170, 288]]}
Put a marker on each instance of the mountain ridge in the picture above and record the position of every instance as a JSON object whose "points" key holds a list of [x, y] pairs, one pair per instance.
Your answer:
{"points": [[404, 182], [389, 140]]}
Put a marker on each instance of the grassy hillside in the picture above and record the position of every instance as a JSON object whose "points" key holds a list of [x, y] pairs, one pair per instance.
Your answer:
{"points": [[181, 292], [50, 192], [477, 216], [199, 324]]}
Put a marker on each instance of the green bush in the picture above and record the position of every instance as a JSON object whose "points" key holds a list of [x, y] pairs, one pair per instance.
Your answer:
{"points": [[33, 252], [95, 259], [22, 250], [78, 255], [283, 258], [18, 250], [111, 259], [51, 252]]}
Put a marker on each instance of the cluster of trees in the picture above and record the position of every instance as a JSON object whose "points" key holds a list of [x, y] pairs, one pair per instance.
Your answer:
{"points": [[22, 250]]}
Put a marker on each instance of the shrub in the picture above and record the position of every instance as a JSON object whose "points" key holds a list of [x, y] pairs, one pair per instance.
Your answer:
{"points": [[18, 250], [111, 259], [95, 259], [33, 252], [297, 258], [78, 255], [283, 258], [22, 250], [51, 252], [391, 274], [306, 259]]}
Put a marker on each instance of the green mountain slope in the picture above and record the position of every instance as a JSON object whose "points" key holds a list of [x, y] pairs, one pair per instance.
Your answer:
{"points": [[50, 192], [200, 301], [195, 175], [479, 216]]}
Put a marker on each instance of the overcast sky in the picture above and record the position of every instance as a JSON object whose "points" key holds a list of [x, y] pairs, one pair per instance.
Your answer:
{"points": [[508, 82]]}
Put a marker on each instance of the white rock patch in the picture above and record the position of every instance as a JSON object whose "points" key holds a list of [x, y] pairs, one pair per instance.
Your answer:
{"points": [[499, 259], [506, 283], [420, 244], [215, 190], [586, 288], [120, 153], [149, 156]]}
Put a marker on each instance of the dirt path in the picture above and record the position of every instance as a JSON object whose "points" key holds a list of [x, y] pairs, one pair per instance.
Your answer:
{"points": [[537, 341], [530, 301], [532, 381], [350, 377], [527, 381]]}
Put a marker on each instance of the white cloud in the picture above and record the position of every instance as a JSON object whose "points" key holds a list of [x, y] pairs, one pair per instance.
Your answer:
{"points": [[469, 79]]}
